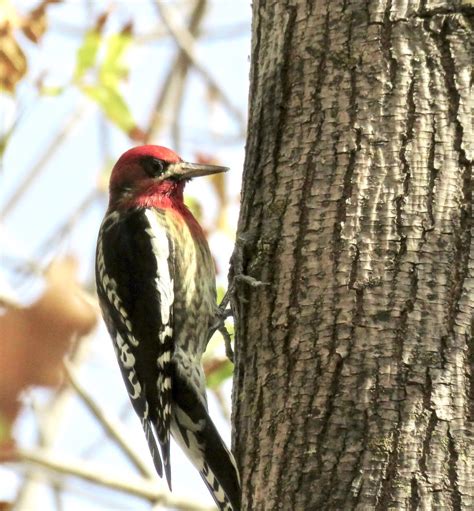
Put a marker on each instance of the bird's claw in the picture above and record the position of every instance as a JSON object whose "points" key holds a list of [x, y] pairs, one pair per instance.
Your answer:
{"points": [[252, 282], [223, 312]]}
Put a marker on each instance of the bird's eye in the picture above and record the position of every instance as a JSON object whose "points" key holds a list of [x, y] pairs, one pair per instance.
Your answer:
{"points": [[154, 167]]}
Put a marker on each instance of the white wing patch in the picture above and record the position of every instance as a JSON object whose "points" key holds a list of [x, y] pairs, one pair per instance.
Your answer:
{"points": [[163, 281]]}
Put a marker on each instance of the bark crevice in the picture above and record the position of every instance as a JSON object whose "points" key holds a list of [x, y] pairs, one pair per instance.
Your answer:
{"points": [[353, 379]]}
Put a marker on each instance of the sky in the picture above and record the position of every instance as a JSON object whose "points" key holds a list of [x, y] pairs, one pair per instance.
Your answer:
{"points": [[72, 172]]}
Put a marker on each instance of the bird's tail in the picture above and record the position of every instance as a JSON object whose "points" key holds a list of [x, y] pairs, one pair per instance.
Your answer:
{"points": [[219, 471], [154, 439], [152, 445], [196, 434]]}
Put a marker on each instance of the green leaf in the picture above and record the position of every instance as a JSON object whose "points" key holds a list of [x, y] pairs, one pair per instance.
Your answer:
{"points": [[113, 68], [194, 206], [112, 104], [230, 328], [217, 377], [215, 342], [220, 293], [87, 53], [52, 90]]}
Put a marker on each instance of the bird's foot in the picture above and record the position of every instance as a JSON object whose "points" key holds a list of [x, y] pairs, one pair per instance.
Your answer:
{"points": [[223, 312]]}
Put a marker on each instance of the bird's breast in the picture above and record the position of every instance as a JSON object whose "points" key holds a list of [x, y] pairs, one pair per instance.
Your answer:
{"points": [[194, 283]]}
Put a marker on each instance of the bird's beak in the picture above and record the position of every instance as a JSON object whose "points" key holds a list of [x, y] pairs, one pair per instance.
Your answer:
{"points": [[185, 170]]}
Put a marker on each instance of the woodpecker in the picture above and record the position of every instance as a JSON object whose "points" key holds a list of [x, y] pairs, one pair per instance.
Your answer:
{"points": [[156, 286]]}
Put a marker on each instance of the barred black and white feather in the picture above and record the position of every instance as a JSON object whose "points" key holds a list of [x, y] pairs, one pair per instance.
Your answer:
{"points": [[136, 301], [197, 435], [156, 287]]}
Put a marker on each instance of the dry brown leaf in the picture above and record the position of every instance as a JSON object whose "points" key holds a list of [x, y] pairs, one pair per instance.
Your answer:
{"points": [[137, 135], [34, 339], [13, 65], [8, 450], [214, 364], [127, 29], [63, 297], [35, 24], [102, 20]]}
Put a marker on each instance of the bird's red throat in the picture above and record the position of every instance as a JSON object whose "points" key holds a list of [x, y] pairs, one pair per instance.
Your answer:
{"points": [[165, 195]]}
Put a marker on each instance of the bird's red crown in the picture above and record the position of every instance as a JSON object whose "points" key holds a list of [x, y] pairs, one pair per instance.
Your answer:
{"points": [[143, 151]]}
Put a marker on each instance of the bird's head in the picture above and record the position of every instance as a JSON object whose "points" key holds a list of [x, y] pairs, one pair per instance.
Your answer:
{"points": [[150, 174]]}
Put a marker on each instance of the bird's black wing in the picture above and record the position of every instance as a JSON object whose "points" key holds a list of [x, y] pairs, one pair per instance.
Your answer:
{"points": [[134, 269]]}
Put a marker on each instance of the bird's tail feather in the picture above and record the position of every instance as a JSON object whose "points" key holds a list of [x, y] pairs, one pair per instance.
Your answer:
{"points": [[194, 430], [165, 453], [219, 471], [153, 447]]}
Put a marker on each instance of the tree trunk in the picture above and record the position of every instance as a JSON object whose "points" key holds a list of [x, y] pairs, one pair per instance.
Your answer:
{"points": [[354, 357]]}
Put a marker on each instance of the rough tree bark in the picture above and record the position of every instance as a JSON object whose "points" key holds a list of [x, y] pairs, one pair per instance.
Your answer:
{"points": [[354, 359]]}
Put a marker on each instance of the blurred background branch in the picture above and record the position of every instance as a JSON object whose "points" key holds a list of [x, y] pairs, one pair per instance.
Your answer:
{"points": [[186, 42], [73, 96], [134, 486], [111, 426], [64, 131]]}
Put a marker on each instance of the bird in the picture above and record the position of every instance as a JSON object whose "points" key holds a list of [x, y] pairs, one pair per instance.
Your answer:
{"points": [[155, 280]]}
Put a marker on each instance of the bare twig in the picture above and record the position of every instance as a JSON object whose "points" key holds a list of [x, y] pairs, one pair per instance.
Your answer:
{"points": [[176, 75], [53, 146], [230, 31], [67, 226], [57, 496], [110, 425], [186, 41], [182, 70], [90, 472]]}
